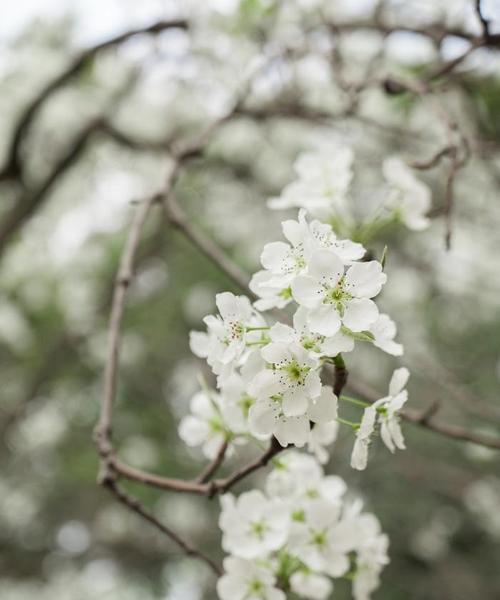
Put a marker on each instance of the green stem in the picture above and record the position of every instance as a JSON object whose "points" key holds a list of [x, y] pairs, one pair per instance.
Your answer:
{"points": [[354, 401], [338, 361], [263, 328], [348, 423]]}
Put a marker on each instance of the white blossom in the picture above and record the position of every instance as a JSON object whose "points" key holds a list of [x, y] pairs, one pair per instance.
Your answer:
{"points": [[359, 456], [246, 580], [252, 524], [384, 412], [388, 409], [322, 183], [276, 413], [409, 197], [321, 540], [227, 333], [299, 477], [283, 262], [334, 298], [311, 585], [204, 426], [292, 374], [322, 436], [384, 331], [371, 550], [302, 533], [316, 344]]}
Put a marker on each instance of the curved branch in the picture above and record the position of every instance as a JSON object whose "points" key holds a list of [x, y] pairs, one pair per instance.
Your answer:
{"points": [[13, 166], [134, 505]]}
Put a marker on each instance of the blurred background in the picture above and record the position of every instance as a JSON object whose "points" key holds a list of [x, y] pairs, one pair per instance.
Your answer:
{"points": [[97, 145]]}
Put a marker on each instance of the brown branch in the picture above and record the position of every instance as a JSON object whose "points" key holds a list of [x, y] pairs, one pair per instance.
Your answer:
{"points": [[31, 200], [156, 481], [484, 22], [435, 32], [449, 66], [340, 375], [13, 166], [134, 505], [433, 161], [223, 485], [125, 272], [213, 466], [178, 219]]}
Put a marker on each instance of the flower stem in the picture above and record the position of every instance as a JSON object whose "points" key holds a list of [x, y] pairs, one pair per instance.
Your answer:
{"points": [[263, 328], [348, 423], [354, 401]]}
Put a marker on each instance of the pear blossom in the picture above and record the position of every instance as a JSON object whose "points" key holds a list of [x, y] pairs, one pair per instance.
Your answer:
{"points": [[205, 425], [386, 413], [388, 409], [371, 557], [300, 477], [252, 525], [322, 541], [323, 236], [227, 333], [246, 580], [268, 416], [334, 298], [271, 294], [322, 436], [236, 400], [384, 331], [318, 345], [311, 585], [302, 533], [322, 184], [236, 403], [282, 261], [409, 197], [359, 456], [292, 374]]}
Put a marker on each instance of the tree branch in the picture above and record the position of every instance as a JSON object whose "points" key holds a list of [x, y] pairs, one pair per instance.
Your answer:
{"points": [[178, 219], [13, 166], [213, 465], [135, 506]]}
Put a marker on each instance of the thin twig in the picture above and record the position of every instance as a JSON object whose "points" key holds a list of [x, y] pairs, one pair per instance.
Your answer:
{"points": [[134, 505], [13, 166], [223, 485], [178, 219], [484, 22], [125, 272], [32, 200], [212, 467]]}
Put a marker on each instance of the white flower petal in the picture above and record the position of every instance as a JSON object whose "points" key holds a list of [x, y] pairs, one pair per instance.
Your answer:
{"points": [[307, 291], [359, 314], [399, 380], [365, 280], [324, 320], [326, 267]]}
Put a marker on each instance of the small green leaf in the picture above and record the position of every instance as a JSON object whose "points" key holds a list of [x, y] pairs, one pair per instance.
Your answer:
{"points": [[384, 257], [360, 336]]}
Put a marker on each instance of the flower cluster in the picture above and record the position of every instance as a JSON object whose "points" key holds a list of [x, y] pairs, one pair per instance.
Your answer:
{"points": [[322, 187], [268, 375], [298, 536], [270, 384]]}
